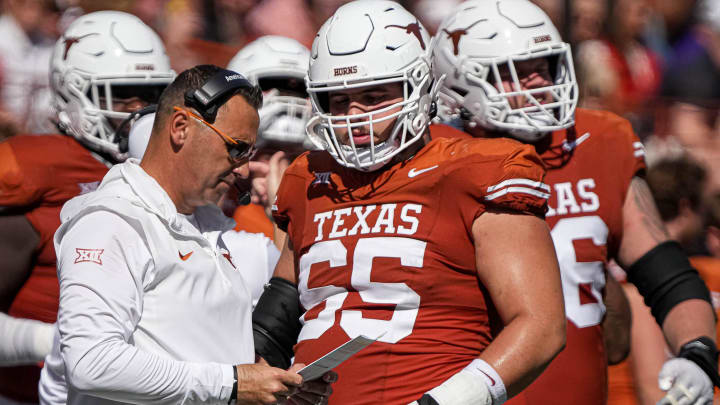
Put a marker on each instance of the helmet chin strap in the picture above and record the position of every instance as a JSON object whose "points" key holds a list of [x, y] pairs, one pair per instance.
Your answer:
{"points": [[530, 134]]}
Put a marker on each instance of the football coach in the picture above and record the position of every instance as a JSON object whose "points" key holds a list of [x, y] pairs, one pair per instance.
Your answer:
{"points": [[153, 308]]}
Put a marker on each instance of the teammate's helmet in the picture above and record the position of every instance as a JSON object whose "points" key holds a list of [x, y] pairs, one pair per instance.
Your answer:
{"points": [[103, 55], [278, 65], [368, 43], [476, 40]]}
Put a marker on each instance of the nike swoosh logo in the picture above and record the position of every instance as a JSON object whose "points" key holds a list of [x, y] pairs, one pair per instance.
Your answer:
{"points": [[414, 172], [184, 257], [492, 381], [568, 146]]}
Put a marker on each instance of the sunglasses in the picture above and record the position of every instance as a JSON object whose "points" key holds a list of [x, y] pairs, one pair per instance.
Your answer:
{"points": [[238, 150]]}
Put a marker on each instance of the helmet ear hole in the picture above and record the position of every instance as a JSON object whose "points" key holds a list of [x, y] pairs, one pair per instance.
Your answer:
{"points": [[554, 67], [323, 100], [459, 90]]}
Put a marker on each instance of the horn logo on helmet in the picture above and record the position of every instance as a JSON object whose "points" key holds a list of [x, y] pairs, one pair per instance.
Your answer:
{"points": [[70, 41], [455, 35], [414, 29]]}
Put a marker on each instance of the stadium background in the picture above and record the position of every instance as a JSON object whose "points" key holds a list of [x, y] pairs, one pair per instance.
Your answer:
{"points": [[655, 62]]}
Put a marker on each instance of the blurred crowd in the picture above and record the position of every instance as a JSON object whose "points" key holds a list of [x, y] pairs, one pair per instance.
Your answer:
{"points": [[655, 62]]}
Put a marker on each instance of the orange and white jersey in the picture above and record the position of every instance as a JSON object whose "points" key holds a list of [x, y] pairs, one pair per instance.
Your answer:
{"points": [[38, 174], [390, 253], [590, 167]]}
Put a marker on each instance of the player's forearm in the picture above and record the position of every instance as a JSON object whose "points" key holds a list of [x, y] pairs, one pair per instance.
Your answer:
{"points": [[285, 267], [617, 322], [688, 320], [18, 241], [524, 349], [24, 341]]}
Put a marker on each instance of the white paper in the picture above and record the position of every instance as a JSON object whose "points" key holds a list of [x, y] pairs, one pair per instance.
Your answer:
{"points": [[333, 359]]}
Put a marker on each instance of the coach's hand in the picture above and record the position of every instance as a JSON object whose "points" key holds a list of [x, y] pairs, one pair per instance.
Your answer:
{"points": [[260, 384], [685, 383]]}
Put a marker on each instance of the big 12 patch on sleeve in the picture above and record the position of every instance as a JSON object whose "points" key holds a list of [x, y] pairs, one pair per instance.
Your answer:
{"points": [[89, 255]]}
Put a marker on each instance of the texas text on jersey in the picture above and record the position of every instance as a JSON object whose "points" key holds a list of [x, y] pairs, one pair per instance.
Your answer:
{"points": [[398, 242], [585, 218]]}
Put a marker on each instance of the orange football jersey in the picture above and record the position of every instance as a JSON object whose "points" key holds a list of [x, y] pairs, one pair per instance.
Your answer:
{"points": [[590, 166], [252, 218], [38, 174], [390, 253], [709, 269], [621, 384]]}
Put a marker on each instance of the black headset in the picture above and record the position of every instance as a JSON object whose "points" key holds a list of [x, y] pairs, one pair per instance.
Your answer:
{"points": [[215, 92]]}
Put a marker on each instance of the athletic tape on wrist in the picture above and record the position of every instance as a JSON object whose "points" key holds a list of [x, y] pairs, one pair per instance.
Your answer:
{"points": [[492, 379]]}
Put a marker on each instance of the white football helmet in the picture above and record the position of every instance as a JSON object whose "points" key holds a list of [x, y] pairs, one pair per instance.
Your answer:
{"points": [[101, 55], [369, 43], [478, 39], [278, 65]]}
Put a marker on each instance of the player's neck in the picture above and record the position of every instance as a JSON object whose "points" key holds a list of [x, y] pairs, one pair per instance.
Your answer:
{"points": [[541, 145], [476, 131], [413, 149]]}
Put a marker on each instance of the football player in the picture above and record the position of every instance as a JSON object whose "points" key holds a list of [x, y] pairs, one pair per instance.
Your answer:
{"points": [[427, 246], [278, 65], [508, 74], [104, 66]]}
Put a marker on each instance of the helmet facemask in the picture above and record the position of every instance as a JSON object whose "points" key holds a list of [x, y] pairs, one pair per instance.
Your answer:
{"points": [[478, 42], [278, 65], [489, 105], [101, 59], [284, 115], [91, 107], [411, 118]]}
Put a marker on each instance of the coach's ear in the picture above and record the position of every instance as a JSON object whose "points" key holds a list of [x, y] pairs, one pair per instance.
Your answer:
{"points": [[179, 128]]}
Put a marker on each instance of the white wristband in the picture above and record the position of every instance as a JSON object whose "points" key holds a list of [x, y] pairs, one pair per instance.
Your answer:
{"points": [[465, 387], [24, 341], [492, 379]]}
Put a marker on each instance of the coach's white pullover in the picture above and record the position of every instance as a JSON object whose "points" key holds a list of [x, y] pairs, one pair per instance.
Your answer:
{"points": [[152, 308]]}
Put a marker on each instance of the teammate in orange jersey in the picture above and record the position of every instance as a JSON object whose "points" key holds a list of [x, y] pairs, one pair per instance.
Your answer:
{"points": [[709, 266], [278, 65], [677, 185], [390, 238], [508, 74], [105, 65]]}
